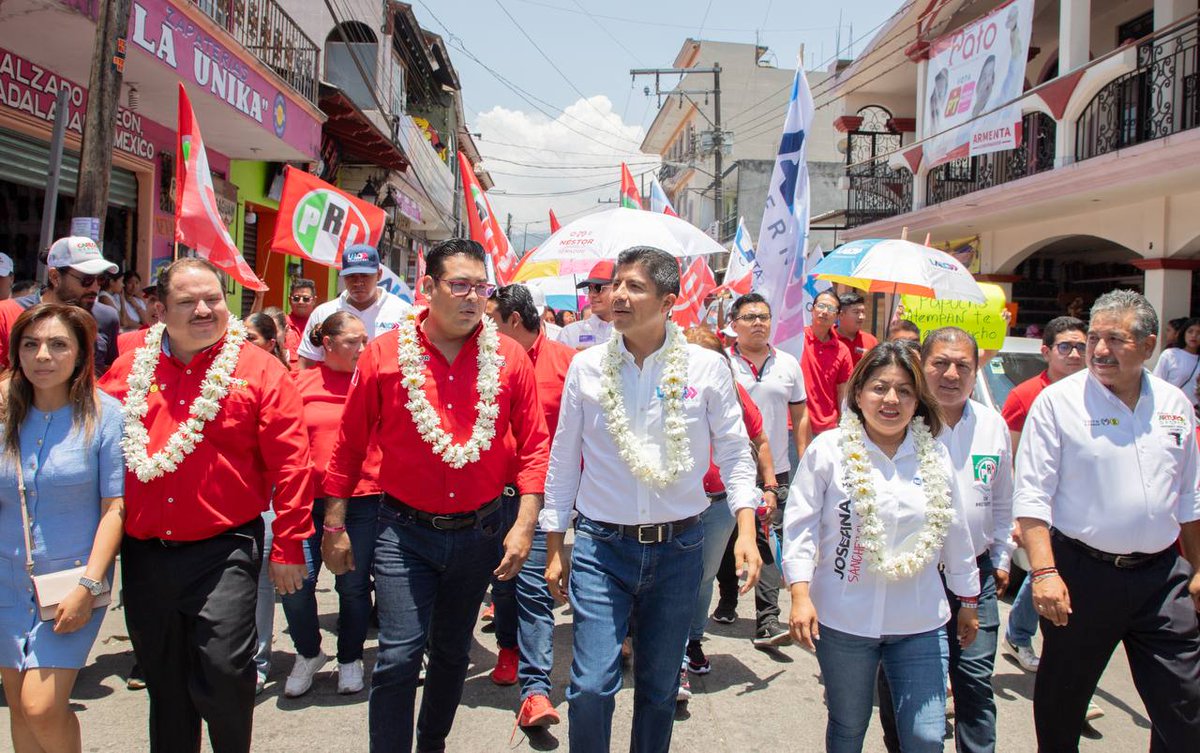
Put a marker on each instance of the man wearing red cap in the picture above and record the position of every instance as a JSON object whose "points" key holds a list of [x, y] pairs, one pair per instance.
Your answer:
{"points": [[596, 329]]}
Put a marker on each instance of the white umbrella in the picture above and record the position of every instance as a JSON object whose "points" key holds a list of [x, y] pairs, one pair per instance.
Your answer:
{"points": [[604, 235], [899, 266]]}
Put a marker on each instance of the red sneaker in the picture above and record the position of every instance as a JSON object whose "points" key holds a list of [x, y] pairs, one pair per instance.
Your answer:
{"points": [[489, 613], [505, 672], [536, 711]]}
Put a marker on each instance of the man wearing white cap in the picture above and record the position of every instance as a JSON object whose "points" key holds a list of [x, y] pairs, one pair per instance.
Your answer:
{"points": [[73, 278], [6, 276], [595, 330]]}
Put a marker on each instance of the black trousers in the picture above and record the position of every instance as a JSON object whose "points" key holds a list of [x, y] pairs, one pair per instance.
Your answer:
{"points": [[1146, 609], [770, 580], [190, 614]]}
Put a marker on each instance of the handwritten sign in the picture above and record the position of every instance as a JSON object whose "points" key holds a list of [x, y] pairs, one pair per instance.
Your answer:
{"points": [[983, 320]]}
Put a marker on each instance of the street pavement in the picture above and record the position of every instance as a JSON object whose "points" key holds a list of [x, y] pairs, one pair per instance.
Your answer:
{"points": [[752, 701]]}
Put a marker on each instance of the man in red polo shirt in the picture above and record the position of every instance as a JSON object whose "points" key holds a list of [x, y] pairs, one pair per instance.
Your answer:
{"points": [[826, 364], [194, 497], [303, 300], [849, 327], [439, 393], [524, 607]]}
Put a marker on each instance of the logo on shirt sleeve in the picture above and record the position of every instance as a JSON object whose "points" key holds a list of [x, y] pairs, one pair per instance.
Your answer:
{"points": [[984, 468]]}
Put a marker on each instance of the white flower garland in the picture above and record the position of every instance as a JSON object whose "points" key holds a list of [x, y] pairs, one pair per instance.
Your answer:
{"points": [[429, 426], [856, 476], [217, 381], [640, 455]]}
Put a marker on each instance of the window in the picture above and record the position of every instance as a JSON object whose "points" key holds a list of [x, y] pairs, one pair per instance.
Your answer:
{"points": [[343, 58]]}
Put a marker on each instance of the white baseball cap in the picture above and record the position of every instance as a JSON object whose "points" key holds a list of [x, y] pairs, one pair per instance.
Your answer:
{"points": [[81, 254], [6, 264]]}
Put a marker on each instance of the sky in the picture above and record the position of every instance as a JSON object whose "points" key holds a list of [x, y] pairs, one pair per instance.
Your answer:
{"points": [[547, 90]]}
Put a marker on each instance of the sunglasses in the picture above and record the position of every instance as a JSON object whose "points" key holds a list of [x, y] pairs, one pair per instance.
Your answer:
{"points": [[85, 280], [755, 318], [1065, 349], [828, 308], [597, 287], [301, 298], [463, 288]]}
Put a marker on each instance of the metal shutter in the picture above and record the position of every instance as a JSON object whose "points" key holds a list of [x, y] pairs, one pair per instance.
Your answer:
{"points": [[26, 161]]}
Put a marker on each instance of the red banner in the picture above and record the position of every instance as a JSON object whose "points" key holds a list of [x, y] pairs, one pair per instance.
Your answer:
{"points": [[484, 227], [695, 283], [630, 198], [318, 221]]}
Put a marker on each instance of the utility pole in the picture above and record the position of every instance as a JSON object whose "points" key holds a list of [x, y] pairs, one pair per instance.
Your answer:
{"points": [[50, 203], [718, 135], [508, 226], [100, 121]]}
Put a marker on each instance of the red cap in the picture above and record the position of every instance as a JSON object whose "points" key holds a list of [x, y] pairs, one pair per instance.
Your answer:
{"points": [[601, 274]]}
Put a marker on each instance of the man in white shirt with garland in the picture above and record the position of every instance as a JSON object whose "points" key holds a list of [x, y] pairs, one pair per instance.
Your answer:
{"points": [[637, 423], [981, 451], [582, 334], [775, 382], [1105, 485], [378, 310]]}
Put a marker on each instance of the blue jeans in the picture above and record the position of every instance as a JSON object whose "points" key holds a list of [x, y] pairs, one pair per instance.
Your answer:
{"points": [[971, 669], [428, 586], [718, 526], [1023, 619], [353, 588], [264, 608], [535, 613], [614, 579], [915, 668]]}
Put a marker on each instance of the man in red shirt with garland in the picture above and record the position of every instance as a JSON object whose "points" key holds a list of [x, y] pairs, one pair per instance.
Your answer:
{"points": [[439, 394], [826, 364], [524, 607], [849, 327], [221, 437]]}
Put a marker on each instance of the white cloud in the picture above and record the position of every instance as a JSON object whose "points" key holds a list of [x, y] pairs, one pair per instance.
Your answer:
{"points": [[528, 153]]}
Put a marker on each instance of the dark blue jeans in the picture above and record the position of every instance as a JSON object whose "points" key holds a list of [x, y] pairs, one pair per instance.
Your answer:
{"points": [[504, 592], [614, 579], [428, 586], [353, 588]]}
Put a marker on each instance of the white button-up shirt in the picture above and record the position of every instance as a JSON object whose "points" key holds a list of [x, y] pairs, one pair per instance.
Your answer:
{"points": [[584, 333], [821, 543], [382, 316], [774, 388], [1118, 480], [605, 489], [981, 451]]}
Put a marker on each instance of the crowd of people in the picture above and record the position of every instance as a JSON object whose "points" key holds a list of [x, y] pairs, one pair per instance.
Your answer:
{"points": [[424, 455]]}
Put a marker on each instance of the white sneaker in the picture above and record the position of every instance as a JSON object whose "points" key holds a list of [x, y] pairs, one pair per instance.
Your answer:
{"points": [[1093, 711], [1025, 655], [301, 679], [350, 677]]}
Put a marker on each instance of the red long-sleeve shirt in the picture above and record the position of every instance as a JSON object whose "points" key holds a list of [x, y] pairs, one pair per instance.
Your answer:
{"points": [[291, 339], [324, 391], [551, 359], [753, 420], [411, 472], [256, 443]]}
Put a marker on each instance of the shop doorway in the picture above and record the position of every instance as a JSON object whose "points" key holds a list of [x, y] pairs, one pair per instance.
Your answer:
{"points": [[1067, 275]]}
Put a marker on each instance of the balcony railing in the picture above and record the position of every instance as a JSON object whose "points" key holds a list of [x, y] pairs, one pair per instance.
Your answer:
{"points": [[267, 31], [1157, 100], [969, 174], [877, 191]]}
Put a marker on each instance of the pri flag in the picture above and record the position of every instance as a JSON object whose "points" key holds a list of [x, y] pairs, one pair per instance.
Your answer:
{"points": [[197, 224], [317, 221], [658, 198], [484, 227], [695, 284], [630, 198], [555, 225], [783, 235]]}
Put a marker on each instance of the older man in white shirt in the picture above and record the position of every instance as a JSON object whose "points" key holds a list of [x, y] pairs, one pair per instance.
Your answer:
{"points": [[637, 422], [1106, 484]]}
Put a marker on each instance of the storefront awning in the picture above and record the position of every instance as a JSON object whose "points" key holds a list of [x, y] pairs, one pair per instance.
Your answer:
{"points": [[360, 140]]}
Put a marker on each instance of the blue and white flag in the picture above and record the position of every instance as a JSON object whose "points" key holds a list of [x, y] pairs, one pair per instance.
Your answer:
{"points": [[783, 235], [741, 255]]}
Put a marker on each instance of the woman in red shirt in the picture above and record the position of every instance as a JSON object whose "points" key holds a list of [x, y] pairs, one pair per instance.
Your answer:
{"points": [[323, 390]]}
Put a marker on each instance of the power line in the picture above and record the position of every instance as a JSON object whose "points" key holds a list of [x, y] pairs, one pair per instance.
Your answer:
{"points": [[611, 36], [571, 192], [666, 24], [641, 163], [550, 151]]}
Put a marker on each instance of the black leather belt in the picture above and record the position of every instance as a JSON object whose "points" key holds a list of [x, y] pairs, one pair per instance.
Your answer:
{"points": [[1122, 561], [451, 522], [250, 529], [651, 533]]}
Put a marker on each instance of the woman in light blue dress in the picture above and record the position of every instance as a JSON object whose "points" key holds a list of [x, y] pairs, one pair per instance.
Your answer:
{"points": [[67, 437]]}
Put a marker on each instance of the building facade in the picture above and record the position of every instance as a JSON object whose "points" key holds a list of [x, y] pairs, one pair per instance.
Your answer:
{"points": [[1101, 190]]}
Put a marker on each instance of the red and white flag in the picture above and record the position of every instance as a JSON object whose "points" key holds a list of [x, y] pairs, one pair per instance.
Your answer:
{"points": [[695, 283], [318, 221], [197, 223], [630, 198], [485, 229]]}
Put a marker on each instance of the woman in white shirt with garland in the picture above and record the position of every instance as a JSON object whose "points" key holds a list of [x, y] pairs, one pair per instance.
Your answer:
{"points": [[1179, 364], [872, 512]]}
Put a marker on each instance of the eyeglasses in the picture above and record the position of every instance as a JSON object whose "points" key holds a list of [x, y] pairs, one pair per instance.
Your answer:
{"points": [[85, 280], [301, 298], [750, 318], [463, 288], [828, 308], [1064, 349], [597, 287]]}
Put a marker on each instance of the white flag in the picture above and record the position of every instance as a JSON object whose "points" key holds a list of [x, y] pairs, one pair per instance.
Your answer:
{"points": [[741, 254], [795, 313], [784, 231]]}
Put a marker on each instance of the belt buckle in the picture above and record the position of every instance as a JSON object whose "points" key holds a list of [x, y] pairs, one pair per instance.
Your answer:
{"points": [[1133, 561], [661, 532], [434, 521]]}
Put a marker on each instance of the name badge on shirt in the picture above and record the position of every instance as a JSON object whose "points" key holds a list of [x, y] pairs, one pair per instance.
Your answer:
{"points": [[1173, 425], [587, 338]]}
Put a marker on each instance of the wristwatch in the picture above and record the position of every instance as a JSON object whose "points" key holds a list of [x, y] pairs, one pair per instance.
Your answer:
{"points": [[94, 587]]}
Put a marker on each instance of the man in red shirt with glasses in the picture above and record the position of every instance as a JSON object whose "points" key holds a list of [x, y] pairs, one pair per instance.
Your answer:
{"points": [[194, 498], [439, 394], [303, 300]]}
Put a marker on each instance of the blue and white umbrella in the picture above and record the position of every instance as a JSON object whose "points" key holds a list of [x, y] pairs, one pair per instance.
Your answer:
{"points": [[899, 267]]}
